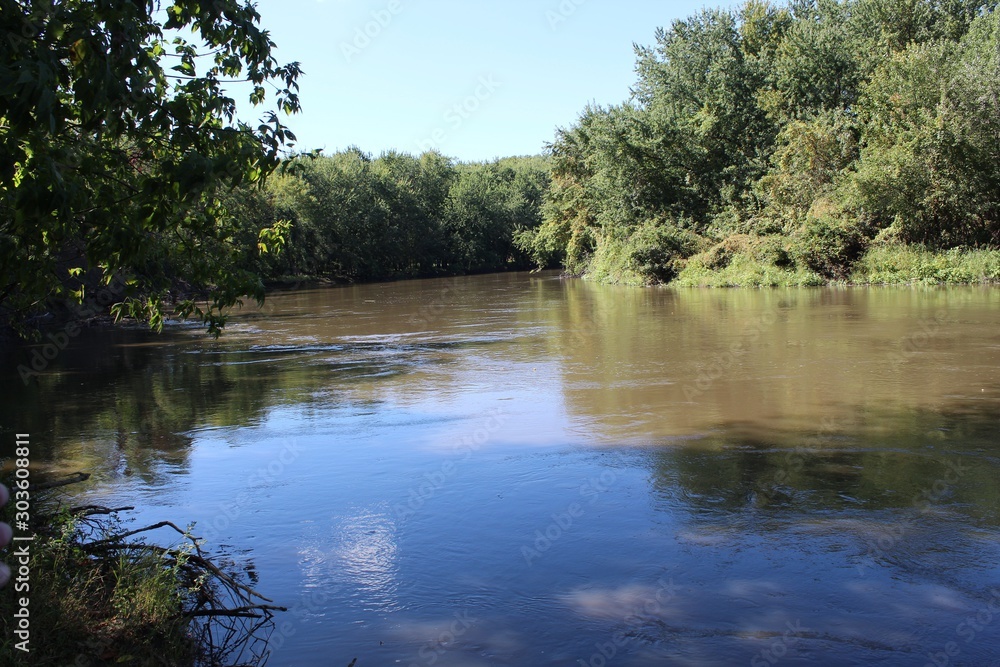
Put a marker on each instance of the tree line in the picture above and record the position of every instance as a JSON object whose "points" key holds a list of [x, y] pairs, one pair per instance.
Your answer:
{"points": [[350, 216], [792, 143]]}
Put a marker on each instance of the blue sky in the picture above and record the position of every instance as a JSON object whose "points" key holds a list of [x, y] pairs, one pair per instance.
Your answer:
{"points": [[475, 79]]}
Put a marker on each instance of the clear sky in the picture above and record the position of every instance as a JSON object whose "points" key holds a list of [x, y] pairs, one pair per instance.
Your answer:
{"points": [[475, 79]]}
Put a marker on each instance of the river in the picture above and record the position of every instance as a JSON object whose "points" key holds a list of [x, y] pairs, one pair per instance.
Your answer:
{"points": [[517, 469]]}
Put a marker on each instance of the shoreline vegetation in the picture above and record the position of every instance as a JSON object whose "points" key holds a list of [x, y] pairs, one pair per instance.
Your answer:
{"points": [[808, 143], [881, 266], [812, 143], [102, 594]]}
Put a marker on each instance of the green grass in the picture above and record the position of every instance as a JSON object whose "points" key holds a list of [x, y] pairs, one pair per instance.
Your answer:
{"points": [[757, 262], [745, 271], [894, 264], [92, 610]]}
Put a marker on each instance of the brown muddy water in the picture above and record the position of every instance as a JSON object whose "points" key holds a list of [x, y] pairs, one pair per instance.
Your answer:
{"points": [[522, 470]]}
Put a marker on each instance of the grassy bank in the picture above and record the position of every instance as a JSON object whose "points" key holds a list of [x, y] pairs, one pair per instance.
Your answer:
{"points": [[100, 594], [88, 609], [894, 265], [756, 266]]}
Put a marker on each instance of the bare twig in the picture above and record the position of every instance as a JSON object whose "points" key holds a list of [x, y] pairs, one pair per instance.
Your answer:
{"points": [[119, 537], [91, 510]]}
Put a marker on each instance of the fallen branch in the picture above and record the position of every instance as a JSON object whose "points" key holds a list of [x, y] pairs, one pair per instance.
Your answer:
{"points": [[119, 537], [73, 479], [246, 611], [191, 558], [90, 510]]}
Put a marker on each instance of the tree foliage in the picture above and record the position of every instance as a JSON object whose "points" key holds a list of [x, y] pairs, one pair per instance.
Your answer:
{"points": [[804, 135], [118, 142], [825, 126], [354, 217]]}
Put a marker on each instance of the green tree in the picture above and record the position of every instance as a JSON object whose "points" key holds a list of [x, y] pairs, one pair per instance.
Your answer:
{"points": [[816, 66], [807, 165], [697, 90], [477, 221], [890, 26], [118, 141], [929, 170], [795, 135]]}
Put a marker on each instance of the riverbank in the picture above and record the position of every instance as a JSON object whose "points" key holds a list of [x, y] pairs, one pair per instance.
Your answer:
{"points": [[766, 262], [100, 594], [878, 266]]}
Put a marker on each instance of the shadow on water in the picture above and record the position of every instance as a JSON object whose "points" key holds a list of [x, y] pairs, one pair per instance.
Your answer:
{"points": [[877, 539], [882, 459], [125, 402]]}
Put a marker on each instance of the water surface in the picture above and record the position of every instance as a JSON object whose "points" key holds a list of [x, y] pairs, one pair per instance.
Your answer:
{"points": [[522, 470]]}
